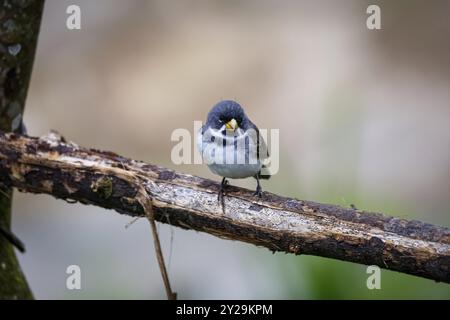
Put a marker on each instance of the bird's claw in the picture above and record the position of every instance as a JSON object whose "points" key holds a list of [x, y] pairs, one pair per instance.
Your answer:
{"points": [[220, 195], [222, 192], [258, 192]]}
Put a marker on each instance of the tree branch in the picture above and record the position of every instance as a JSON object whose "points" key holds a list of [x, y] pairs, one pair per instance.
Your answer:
{"points": [[64, 170]]}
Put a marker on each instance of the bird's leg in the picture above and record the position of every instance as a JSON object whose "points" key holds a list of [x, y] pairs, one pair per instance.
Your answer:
{"points": [[223, 185], [258, 191]]}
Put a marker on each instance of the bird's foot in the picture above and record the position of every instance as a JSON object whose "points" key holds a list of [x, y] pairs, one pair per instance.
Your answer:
{"points": [[258, 192], [222, 191]]}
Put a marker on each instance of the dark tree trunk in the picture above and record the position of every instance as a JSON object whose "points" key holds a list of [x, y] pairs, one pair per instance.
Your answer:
{"points": [[19, 28]]}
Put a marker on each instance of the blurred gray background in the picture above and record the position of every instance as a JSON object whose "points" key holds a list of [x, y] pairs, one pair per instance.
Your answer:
{"points": [[363, 118]]}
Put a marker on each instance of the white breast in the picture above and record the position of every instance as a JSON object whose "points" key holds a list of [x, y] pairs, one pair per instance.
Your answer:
{"points": [[230, 160]]}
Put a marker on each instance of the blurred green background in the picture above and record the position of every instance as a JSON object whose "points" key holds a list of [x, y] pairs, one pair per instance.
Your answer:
{"points": [[363, 118]]}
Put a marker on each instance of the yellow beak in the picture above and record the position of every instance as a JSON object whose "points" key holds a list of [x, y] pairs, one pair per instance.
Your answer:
{"points": [[231, 125]]}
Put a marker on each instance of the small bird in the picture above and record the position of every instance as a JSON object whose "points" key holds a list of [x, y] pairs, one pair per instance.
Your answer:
{"points": [[232, 146]]}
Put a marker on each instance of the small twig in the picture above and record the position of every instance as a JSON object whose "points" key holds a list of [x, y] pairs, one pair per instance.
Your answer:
{"points": [[171, 240], [12, 238], [131, 222], [148, 207], [171, 246]]}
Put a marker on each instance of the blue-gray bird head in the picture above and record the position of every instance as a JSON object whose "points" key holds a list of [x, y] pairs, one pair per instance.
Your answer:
{"points": [[228, 113]]}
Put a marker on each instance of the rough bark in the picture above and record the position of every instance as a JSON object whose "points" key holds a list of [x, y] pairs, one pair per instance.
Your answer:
{"points": [[19, 28], [64, 170]]}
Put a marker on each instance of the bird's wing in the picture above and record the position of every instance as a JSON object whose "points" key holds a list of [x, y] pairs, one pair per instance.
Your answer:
{"points": [[262, 151]]}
